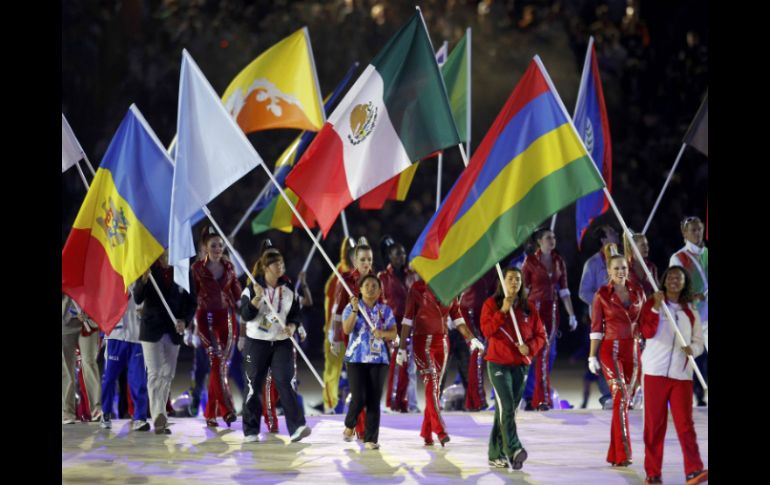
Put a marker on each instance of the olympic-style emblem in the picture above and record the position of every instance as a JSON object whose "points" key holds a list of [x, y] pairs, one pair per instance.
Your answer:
{"points": [[588, 135], [114, 223], [362, 121]]}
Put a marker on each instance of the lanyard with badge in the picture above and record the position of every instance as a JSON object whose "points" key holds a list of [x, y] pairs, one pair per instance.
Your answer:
{"points": [[270, 319], [375, 344]]}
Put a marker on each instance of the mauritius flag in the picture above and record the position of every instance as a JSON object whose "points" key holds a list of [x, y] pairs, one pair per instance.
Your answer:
{"points": [[594, 128], [122, 226], [529, 165], [395, 113]]}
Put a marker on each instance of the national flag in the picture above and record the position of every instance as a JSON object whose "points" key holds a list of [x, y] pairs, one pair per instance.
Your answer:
{"points": [[279, 89], [396, 112], [593, 126], [122, 226], [212, 153], [698, 134], [71, 151], [530, 164]]}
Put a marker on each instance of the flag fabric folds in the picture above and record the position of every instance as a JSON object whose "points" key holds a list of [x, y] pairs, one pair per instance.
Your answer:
{"points": [[212, 153], [396, 112], [455, 69], [529, 165], [593, 126], [697, 135], [278, 89], [71, 151], [122, 226]]}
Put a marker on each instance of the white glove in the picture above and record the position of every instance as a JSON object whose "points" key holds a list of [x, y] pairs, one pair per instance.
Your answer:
{"points": [[196, 340], [401, 357], [241, 343], [476, 345], [188, 334], [396, 341], [572, 323], [302, 333], [594, 366]]}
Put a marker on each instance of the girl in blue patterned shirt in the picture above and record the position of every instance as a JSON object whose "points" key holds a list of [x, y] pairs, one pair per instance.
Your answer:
{"points": [[367, 357]]}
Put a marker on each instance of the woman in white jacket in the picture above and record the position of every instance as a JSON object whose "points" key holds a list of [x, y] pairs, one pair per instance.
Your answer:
{"points": [[668, 375]]}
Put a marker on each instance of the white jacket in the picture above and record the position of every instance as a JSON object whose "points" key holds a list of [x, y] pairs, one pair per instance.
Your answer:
{"points": [[663, 355]]}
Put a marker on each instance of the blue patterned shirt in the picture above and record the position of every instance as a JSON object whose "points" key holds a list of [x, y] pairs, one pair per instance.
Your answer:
{"points": [[363, 348]]}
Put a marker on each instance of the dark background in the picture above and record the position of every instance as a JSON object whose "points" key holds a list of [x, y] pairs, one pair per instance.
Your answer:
{"points": [[653, 58]]}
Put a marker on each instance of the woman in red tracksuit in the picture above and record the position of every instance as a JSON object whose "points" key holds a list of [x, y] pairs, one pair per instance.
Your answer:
{"points": [[545, 277], [428, 316], [668, 375], [508, 362], [218, 293], [615, 313]]}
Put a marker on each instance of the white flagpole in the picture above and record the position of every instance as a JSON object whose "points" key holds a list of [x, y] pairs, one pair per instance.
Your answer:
{"points": [[345, 227], [90, 167], [82, 175], [320, 249], [665, 185], [281, 320], [438, 179], [626, 231]]}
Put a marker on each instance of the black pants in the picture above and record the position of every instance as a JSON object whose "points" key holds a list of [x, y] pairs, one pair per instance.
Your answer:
{"points": [[459, 356], [702, 363], [366, 382], [258, 357]]}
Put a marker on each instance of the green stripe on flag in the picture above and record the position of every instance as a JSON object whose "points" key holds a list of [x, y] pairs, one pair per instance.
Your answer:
{"points": [[455, 72]]}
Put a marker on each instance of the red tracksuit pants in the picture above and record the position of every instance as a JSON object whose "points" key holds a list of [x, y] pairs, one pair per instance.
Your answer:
{"points": [[475, 397], [541, 394], [619, 359], [218, 332], [396, 398], [430, 355], [659, 392]]}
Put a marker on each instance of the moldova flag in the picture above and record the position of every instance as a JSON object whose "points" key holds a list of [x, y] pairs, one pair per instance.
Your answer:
{"points": [[530, 165], [122, 226], [594, 128]]}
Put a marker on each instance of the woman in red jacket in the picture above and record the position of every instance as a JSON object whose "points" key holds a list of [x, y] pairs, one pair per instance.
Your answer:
{"points": [[218, 292], [614, 328], [508, 363]]}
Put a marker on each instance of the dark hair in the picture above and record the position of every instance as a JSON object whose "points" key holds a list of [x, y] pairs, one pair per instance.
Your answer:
{"points": [[601, 232], [521, 299], [365, 277], [386, 244], [686, 295], [268, 256], [537, 235], [207, 233]]}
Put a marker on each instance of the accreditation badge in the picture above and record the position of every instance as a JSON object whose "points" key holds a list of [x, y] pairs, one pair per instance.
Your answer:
{"points": [[375, 347]]}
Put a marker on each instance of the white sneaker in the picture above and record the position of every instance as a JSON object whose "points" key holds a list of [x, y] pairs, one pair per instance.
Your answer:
{"points": [[301, 432], [105, 423], [251, 438], [140, 425], [68, 421], [329, 410], [499, 463], [371, 446]]}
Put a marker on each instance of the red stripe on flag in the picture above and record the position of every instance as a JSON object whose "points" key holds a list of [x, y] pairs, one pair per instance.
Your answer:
{"points": [[90, 280], [319, 178], [532, 85]]}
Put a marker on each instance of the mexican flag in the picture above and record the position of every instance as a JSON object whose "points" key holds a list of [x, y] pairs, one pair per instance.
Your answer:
{"points": [[396, 112]]}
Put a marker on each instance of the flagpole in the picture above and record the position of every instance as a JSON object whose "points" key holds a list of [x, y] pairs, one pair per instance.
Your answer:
{"points": [[82, 175], [553, 222], [320, 249], [281, 320], [500, 274], [438, 180], [626, 231], [345, 226], [248, 212], [468, 80], [88, 162], [665, 185]]}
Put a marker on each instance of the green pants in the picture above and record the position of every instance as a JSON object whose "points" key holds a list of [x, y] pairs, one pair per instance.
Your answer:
{"points": [[508, 383]]}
